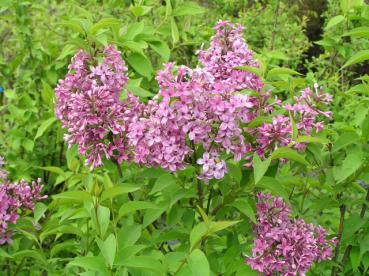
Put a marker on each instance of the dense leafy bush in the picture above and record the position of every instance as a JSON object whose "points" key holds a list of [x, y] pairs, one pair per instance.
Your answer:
{"points": [[169, 147]]}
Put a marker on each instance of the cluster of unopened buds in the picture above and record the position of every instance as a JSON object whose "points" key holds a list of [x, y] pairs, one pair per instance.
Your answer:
{"points": [[198, 115], [284, 245], [15, 197]]}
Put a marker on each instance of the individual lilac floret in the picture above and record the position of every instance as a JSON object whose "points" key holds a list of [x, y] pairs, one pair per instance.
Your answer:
{"points": [[89, 108], [284, 245], [15, 197], [212, 166]]}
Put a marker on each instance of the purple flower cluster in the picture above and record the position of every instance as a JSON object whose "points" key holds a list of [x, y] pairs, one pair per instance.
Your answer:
{"points": [[89, 107], [285, 245], [305, 113], [227, 50], [199, 110], [15, 197]]}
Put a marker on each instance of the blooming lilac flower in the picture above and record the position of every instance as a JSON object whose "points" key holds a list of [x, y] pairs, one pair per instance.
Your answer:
{"points": [[305, 112], [285, 245], [195, 108], [157, 139], [89, 107], [227, 50], [15, 197], [212, 166]]}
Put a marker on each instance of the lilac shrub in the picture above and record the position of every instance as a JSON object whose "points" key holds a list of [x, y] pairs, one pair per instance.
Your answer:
{"points": [[285, 245], [201, 110], [15, 197]]}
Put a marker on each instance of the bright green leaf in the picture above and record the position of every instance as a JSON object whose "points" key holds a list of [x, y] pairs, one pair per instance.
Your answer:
{"points": [[198, 263], [260, 167], [357, 58], [45, 125], [108, 249], [141, 64]]}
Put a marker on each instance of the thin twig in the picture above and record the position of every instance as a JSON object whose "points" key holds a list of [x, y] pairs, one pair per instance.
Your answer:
{"points": [[346, 255], [276, 15], [18, 269], [339, 236], [209, 201], [130, 196]]}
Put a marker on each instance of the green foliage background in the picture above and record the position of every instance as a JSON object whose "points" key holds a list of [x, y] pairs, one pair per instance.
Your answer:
{"points": [[88, 226]]}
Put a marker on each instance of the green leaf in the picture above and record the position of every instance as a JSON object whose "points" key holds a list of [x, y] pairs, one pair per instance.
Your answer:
{"points": [[168, 8], [353, 223], [199, 232], [245, 270], [141, 64], [161, 48], [255, 70], [358, 32], [121, 189], [188, 8], [31, 253], [350, 165], [89, 263], [73, 26], [108, 249], [44, 126], [281, 71], [133, 30], [103, 23], [28, 144], [162, 182], [244, 207], [259, 121], [4, 254], [357, 58], [139, 10], [61, 246], [273, 186], [310, 139], [347, 5], [47, 93], [260, 167], [216, 226], [290, 154], [365, 129], [198, 263], [355, 258], [364, 245], [136, 90], [103, 218], [56, 170], [145, 263], [344, 140], [204, 216], [77, 196], [133, 206], [174, 29], [293, 127], [68, 50], [234, 171], [129, 235], [39, 210], [334, 21]]}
